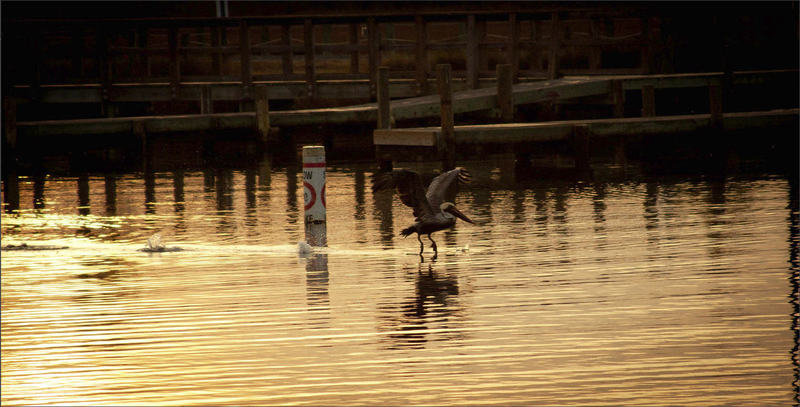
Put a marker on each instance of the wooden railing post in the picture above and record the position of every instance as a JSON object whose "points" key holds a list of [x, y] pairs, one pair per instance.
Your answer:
{"points": [[384, 99], [244, 49], [308, 43], [555, 46], [648, 101], [504, 92], [174, 63], [473, 59], [422, 55], [216, 59], [373, 39], [446, 142], [646, 47], [513, 46], [352, 38], [286, 56]]}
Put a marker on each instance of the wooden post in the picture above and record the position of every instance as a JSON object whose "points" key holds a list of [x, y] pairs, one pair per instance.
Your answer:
{"points": [[646, 47], [596, 51], [384, 99], [504, 92], [618, 96], [174, 68], [472, 53], [308, 43], [9, 123], [715, 104], [446, 143], [262, 112], [513, 47], [373, 39], [111, 194], [286, 57], [244, 49], [555, 45], [352, 36], [648, 101], [422, 55], [216, 59], [104, 69], [77, 52], [580, 145]]}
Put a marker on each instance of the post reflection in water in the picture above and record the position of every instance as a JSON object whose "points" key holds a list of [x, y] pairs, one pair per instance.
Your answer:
{"points": [[620, 290]]}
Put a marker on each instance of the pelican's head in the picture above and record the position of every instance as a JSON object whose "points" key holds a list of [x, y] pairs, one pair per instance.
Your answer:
{"points": [[449, 207]]}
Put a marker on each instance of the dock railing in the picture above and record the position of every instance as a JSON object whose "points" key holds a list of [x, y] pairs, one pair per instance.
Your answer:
{"points": [[326, 57]]}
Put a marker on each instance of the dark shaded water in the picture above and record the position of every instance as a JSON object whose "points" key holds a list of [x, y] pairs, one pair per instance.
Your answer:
{"points": [[621, 290]]}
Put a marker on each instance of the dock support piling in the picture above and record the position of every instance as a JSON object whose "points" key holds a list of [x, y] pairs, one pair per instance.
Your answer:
{"points": [[446, 143], [648, 101], [308, 41], [580, 146], [618, 96], [384, 100], [206, 103], [715, 104], [9, 123], [262, 112], [505, 100]]}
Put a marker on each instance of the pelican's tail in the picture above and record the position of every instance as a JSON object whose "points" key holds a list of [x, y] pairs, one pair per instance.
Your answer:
{"points": [[407, 231]]}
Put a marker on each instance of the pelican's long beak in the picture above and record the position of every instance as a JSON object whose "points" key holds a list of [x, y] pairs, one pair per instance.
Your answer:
{"points": [[459, 214]]}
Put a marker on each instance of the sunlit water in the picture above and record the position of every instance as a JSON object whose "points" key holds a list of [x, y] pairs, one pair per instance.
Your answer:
{"points": [[619, 291]]}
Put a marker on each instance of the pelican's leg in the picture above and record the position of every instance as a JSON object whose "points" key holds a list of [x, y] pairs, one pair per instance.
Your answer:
{"points": [[421, 245], [433, 244]]}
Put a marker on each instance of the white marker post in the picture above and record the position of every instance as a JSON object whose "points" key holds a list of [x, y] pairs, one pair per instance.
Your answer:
{"points": [[314, 195]]}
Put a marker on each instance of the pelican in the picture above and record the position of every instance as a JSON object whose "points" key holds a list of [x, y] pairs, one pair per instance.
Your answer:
{"points": [[434, 210]]}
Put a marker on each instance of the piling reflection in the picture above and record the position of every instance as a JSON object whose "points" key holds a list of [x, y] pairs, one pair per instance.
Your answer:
{"points": [[84, 207], [38, 190], [111, 194]]}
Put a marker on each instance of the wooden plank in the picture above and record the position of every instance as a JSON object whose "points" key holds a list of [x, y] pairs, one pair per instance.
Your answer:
{"points": [[406, 137], [563, 130]]}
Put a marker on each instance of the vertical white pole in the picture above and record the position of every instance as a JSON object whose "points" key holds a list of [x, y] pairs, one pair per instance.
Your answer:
{"points": [[314, 195]]}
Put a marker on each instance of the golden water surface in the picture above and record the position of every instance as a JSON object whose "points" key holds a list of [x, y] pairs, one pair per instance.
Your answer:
{"points": [[618, 291]]}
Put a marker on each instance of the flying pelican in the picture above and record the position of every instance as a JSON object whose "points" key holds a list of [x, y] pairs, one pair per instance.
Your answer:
{"points": [[434, 210]]}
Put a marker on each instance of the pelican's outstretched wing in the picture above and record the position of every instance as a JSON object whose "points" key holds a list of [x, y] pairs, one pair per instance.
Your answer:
{"points": [[409, 187], [443, 188]]}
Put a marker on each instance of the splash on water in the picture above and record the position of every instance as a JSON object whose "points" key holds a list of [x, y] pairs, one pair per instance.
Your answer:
{"points": [[154, 245]]}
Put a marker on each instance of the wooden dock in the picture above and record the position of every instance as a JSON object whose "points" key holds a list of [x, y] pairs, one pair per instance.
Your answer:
{"points": [[484, 99], [510, 133]]}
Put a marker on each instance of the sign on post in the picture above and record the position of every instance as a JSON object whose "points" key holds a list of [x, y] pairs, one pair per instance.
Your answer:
{"points": [[314, 195]]}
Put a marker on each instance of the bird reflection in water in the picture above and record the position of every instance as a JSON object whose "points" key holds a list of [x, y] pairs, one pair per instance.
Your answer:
{"points": [[429, 315]]}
